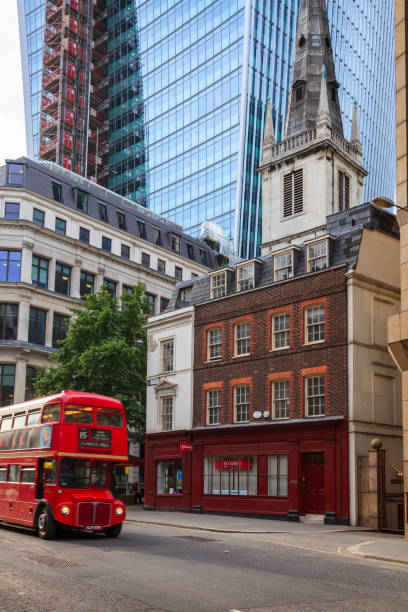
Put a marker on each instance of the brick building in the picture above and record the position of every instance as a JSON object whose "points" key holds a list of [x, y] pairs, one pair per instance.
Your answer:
{"points": [[285, 356]]}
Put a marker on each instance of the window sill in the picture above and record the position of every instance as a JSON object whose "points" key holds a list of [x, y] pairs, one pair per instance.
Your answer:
{"points": [[281, 348], [213, 360], [312, 343], [239, 356], [314, 416]]}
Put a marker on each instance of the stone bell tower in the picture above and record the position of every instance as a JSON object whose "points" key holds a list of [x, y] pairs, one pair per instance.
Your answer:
{"points": [[314, 171]]}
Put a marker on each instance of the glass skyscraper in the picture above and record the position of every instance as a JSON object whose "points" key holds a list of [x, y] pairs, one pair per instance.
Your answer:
{"points": [[205, 70]]}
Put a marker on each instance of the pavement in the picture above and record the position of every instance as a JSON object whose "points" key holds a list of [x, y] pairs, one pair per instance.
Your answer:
{"points": [[329, 539]]}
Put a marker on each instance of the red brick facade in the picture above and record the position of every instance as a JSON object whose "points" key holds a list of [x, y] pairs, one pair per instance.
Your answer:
{"points": [[299, 360]]}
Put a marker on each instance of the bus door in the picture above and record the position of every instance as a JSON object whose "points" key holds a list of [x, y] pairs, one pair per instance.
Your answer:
{"points": [[26, 494], [47, 479]]}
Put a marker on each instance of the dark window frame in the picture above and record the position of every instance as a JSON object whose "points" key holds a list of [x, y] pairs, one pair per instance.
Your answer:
{"points": [[41, 215], [56, 191], [63, 285], [105, 241], [87, 233], [60, 226], [38, 267], [11, 215], [36, 326]]}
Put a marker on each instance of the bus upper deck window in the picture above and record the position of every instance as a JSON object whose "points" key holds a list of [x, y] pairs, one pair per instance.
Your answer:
{"points": [[6, 423], [34, 418], [51, 413], [78, 414], [110, 418], [19, 420]]}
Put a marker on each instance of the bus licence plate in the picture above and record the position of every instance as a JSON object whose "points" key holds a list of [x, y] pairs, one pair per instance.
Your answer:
{"points": [[93, 527]]}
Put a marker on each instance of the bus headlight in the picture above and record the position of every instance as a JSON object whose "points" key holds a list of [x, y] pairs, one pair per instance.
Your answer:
{"points": [[119, 511], [65, 510]]}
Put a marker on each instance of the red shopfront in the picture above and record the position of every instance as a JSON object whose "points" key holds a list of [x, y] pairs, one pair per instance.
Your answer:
{"points": [[277, 470]]}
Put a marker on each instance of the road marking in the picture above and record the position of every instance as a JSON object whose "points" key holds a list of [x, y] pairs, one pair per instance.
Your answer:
{"points": [[355, 550]]}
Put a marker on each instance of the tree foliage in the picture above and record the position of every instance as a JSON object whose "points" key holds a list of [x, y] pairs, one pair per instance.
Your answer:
{"points": [[104, 352]]}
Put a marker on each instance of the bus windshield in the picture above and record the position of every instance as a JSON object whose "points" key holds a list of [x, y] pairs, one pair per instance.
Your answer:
{"points": [[82, 474]]}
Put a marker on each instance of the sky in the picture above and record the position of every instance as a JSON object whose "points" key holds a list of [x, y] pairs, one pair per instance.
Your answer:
{"points": [[12, 128]]}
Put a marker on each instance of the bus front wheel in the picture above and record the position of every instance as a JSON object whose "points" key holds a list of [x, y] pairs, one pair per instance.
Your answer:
{"points": [[46, 525], [114, 531]]}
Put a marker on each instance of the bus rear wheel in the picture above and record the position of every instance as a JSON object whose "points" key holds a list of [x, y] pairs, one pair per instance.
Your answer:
{"points": [[46, 525], [114, 531]]}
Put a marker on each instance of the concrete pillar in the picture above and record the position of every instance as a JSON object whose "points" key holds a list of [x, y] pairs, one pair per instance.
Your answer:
{"points": [[76, 278], [51, 274], [49, 327], [23, 319], [20, 379], [26, 262], [99, 279]]}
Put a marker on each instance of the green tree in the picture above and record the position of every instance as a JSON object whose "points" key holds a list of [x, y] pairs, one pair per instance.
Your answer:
{"points": [[104, 352]]}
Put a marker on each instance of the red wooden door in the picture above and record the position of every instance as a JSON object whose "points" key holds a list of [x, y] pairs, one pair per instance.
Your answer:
{"points": [[312, 482]]}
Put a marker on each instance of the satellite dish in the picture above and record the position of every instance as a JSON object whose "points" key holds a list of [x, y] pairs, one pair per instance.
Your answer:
{"points": [[257, 414]]}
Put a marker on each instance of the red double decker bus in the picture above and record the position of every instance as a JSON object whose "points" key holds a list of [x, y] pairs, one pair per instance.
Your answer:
{"points": [[57, 458]]}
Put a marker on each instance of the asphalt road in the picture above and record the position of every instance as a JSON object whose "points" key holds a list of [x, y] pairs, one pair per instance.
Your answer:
{"points": [[179, 570]]}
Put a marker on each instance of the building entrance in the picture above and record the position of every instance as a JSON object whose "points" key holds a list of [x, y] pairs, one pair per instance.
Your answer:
{"points": [[312, 482]]}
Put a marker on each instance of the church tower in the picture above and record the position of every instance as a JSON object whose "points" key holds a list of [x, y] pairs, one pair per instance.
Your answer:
{"points": [[314, 171]]}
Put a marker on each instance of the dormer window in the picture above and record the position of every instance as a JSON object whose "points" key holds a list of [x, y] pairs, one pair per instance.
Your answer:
{"points": [[218, 285], [82, 200], [245, 277], [283, 265], [175, 243], [293, 193], [318, 255], [185, 294], [343, 184]]}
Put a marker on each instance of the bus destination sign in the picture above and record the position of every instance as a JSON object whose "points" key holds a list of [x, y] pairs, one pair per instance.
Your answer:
{"points": [[94, 438]]}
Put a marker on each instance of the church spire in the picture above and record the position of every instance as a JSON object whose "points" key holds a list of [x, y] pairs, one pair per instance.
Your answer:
{"points": [[355, 128], [311, 96], [269, 134]]}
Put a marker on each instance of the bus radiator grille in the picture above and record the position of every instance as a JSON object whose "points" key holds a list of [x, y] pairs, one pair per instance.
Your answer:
{"points": [[90, 513]]}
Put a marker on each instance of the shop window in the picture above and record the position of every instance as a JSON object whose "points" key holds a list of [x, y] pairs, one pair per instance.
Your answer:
{"points": [[314, 396], [166, 413], [8, 321], [7, 375], [280, 399], [10, 266], [241, 404], [39, 272], [12, 210], [281, 331], [167, 356], [214, 344], [317, 256], [242, 339], [283, 266], [218, 285], [214, 407], [235, 475], [245, 277], [314, 324], [278, 475], [169, 478], [38, 217]]}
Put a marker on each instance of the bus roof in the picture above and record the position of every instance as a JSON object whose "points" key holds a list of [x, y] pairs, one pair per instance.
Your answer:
{"points": [[68, 396]]}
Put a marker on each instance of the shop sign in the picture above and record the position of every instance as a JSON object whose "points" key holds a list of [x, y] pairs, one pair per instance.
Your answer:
{"points": [[233, 464], [186, 447]]}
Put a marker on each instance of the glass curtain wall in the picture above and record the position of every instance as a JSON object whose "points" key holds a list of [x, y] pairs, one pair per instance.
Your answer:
{"points": [[31, 22]]}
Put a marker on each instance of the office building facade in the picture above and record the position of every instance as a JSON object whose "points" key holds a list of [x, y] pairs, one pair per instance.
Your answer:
{"points": [[187, 117]]}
